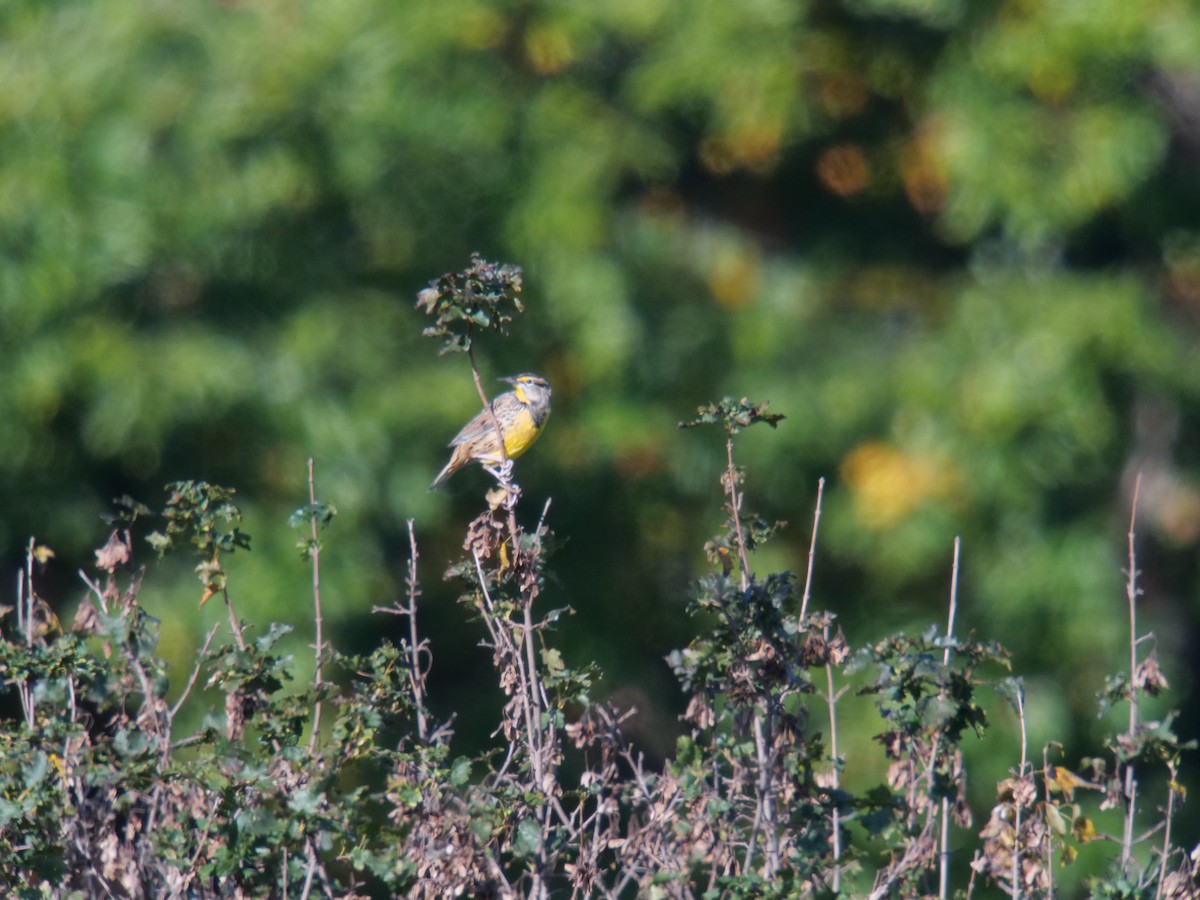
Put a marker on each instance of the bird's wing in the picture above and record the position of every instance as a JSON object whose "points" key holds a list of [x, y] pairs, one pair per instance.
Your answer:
{"points": [[474, 429]]}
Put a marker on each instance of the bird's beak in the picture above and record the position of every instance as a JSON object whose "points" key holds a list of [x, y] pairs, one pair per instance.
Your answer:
{"points": [[511, 379]]}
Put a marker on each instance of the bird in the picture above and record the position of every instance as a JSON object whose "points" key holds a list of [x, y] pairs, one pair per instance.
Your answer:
{"points": [[522, 414]]}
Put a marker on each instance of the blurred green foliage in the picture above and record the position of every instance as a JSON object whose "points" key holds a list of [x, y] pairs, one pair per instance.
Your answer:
{"points": [[955, 243]]}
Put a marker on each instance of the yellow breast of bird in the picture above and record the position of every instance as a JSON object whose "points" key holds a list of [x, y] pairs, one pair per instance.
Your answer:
{"points": [[520, 435]]}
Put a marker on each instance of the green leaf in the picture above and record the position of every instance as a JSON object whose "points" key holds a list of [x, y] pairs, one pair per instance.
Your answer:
{"points": [[34, 774], [527, 842], [1012, 689], [160, 542], [306, 801], [10, 811], [276, 631], [553, 661], [1055, 820], [481, 828], [130, 742]]}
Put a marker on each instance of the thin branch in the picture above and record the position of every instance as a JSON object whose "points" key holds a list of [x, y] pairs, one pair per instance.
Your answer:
{"points": [[812, 551], [766, 790], [309, 870], [510, 651], [944, 856], [831, 695], [953, 601], [30, 593], [835, 818], [319, 649], [234, 625], [1166, 844], [1131, 594], [487, 404], [532, 684], [504, 471], [187, 688], [542, 517], [1049, 838], [735, 504], [416, 672], [208, 824], [21, 604], [1016, 850], [24, 617]]}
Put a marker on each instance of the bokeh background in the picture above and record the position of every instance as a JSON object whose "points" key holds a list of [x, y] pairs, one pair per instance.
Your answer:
{"points": [[956, 243]]}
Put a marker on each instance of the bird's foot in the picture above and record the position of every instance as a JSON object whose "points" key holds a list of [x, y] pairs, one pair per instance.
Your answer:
{"points": [[501, 471]]}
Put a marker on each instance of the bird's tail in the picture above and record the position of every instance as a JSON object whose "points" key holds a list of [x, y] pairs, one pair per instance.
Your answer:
{"points": [[451, 467]]}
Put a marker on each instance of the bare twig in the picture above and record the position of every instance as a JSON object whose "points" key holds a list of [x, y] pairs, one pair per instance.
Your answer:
{"points": [[1166, 844], [234, 625], [542, 517], [735, 505], [487, 404], [944, 856], [187, 688], [541, 772], [319, 648], [1131, 594], [831, 695], [21, 604], [504, 470], [831, 698], [416, 672], [971, 878], [766, 813], [1049, 840], [532, 686], [309, 870], [1017, 795], [208, 823], [508, 648], [30, 597], [24, 617], [812, 551]]}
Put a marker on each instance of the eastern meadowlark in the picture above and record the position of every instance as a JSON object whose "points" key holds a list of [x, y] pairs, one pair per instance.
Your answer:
{"points": [[522, 413]]}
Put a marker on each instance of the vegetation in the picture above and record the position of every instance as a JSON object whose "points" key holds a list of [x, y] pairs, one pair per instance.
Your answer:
{"points": [[102, 795]]}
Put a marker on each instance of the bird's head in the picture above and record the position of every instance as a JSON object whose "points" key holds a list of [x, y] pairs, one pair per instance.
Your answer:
{"points": [[529, 388]]}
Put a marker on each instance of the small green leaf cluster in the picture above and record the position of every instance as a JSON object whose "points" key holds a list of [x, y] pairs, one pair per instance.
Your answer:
{"points": [[484, 296], [926, 688], [733, 415], [307, 519], [205, 515]]}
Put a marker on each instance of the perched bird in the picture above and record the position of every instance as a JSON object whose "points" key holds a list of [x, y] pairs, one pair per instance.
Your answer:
{"points": [[522, 414]]}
